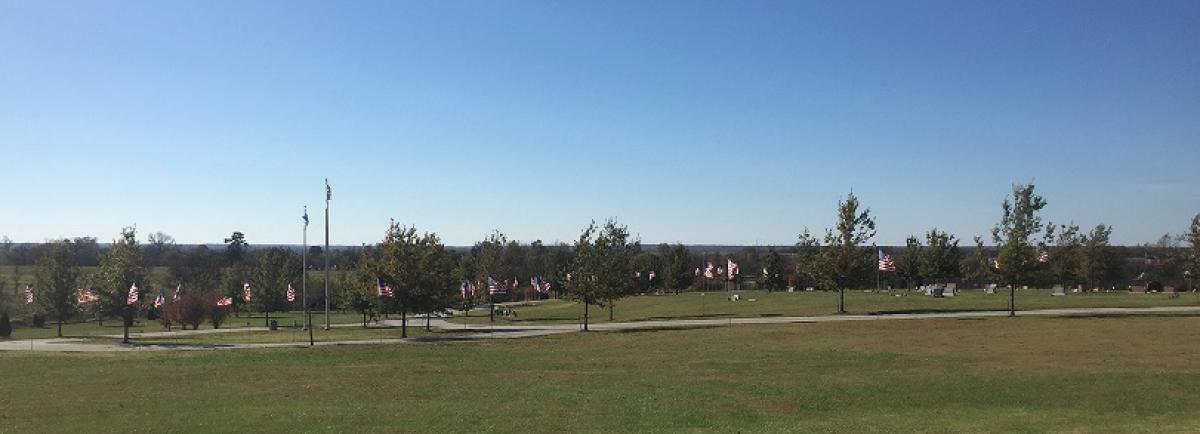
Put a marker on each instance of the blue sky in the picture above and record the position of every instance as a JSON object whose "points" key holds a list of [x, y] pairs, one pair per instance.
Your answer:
{"points": [[700, 122]]}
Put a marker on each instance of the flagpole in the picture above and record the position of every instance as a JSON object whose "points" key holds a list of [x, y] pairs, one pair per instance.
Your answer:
{"points": [[304, 270], [325, 253]]}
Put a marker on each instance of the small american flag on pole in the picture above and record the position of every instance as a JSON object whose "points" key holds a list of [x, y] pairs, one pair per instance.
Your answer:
{"points": [[384, 289], [158, 301], [28, 294], [246, 291], [178, 292], [291, 293], [886, 264], [225, 302], [651, 277], [1043, 256], [733, 269], [495, 287], [708, 269], [467, 289], [85, 296], [133, 295]]}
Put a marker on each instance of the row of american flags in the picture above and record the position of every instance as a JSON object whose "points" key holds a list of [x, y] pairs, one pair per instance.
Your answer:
{"points": [[886, 264], [711, 271], [85, 296]]}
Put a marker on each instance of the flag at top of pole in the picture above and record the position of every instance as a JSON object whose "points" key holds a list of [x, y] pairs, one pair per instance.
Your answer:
{"points": [[28, 294], [328, 191], [133, 295]]}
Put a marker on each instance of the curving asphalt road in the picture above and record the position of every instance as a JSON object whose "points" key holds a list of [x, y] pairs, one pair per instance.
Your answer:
{"points": [[485, 332]]}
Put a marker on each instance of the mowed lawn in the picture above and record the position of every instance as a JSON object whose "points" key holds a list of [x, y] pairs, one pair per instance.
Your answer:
{"points": [[998, 374], [715, 305]]}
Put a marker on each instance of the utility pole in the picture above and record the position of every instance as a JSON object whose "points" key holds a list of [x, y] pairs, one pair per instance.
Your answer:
{"points": [[325, 253]]}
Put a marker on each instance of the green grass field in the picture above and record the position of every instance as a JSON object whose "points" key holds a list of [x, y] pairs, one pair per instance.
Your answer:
{"points": [[716, 305], [1115, 374]]}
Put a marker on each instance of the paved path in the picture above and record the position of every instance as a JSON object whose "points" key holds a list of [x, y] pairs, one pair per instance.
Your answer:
{"points": [[509, 331]]}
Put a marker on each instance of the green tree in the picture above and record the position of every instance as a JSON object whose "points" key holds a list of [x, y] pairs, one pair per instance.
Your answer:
{"points": [[1018, 223], [236, 247], [807, 265], [941, 257], [274, 270], [122, 267], [844, 262], [1193, 263], [1062, 246], [56, 279], [908, 265], [977, 268], [489, 264], [1098, 260], [772, 271], [592, 277], [676, 274]]}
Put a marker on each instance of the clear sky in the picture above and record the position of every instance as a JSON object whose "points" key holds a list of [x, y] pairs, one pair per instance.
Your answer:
{"points": [[732, 122]]}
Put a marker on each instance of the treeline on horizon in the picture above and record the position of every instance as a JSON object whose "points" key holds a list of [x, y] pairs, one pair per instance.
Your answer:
{"points": [[605, 264]]}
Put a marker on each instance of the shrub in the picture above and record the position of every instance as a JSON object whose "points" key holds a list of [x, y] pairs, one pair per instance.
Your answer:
{"points": [[216, 314], [189, 310], [5, 326], [39, 321]]}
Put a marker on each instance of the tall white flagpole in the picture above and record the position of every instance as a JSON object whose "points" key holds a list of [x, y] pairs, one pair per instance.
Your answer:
{"points": [[304, 272], [328, 196]]}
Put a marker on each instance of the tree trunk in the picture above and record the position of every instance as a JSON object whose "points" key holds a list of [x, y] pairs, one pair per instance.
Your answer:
{"points": [[404, 323], [267, 321], [364, 319], [841, 300], [585, 316], [427, 315], [60, 327], [611, 305]]}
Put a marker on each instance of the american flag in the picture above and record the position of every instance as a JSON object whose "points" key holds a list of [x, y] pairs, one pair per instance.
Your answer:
{"points": [[291, 293], [996, 263], [225, 301], [28, 294], [495, 287], [708, 269], [467, 289], [765, 272], [246, 291], [383, 288], [885, 262], [540, 285], [733, 269], [158, 301], [1043, 256], [133, 295], [515, 283], [85, 296], [178, 292], [651, 277], [720, 271], [697, 271], [328, 191]]}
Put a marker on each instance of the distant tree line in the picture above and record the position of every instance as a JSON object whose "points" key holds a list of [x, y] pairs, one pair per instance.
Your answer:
{"points": [[79, 279]]}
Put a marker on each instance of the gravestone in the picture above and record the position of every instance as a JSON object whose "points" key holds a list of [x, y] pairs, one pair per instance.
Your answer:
{"points": [[950, 290], [990, 289], [1059, 290]]}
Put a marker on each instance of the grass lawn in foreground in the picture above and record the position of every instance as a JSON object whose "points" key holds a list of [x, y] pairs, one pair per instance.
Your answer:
{"points": [[715, 305], [1114, 374], [112, 326]]}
